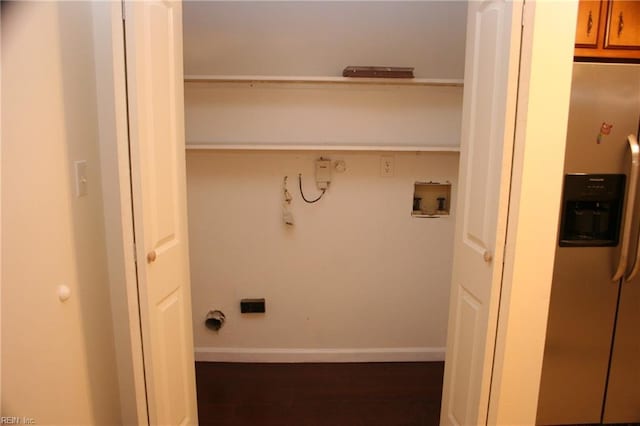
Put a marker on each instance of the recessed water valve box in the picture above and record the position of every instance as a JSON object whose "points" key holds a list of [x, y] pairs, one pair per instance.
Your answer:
{"points": [[252, 306], [431, 199]]}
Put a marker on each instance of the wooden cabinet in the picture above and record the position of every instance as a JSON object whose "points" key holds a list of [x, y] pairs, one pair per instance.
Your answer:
{"points": [[608, 29], [624, 25], [588, 23]]}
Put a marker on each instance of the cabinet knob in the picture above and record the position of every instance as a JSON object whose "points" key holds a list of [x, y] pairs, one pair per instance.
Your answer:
{"points": [[590, 23], [488, 257], [151, 256]]}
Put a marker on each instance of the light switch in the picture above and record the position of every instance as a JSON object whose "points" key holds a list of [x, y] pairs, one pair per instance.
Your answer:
{"points": [[81, 178]]}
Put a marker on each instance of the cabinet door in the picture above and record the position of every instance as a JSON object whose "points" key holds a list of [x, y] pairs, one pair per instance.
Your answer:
{"points": [[588, 23], [624, 25]]}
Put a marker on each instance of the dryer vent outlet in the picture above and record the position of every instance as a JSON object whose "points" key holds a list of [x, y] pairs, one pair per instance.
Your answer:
{"points": [[252, 306], [214, 320]]}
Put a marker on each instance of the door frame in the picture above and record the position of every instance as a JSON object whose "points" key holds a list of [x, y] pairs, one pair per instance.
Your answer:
{"points": [[537, 170], [538, 161]]}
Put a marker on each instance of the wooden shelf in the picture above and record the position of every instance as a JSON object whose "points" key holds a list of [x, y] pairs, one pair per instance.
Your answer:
{"points": [[318, 147], [254, 79]]}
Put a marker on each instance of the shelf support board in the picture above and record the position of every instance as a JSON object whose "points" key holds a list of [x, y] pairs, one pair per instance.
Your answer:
{"points": [[323, 80], [316, 147]]}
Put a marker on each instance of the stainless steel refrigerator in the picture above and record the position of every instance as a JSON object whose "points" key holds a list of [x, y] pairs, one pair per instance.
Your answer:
{"points": [[591, 366]]}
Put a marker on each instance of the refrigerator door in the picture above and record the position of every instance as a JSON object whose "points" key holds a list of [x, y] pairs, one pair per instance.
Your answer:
{"points": [[623, 393], [622, 404], [578, 343], [601, 94], [584, 298]]}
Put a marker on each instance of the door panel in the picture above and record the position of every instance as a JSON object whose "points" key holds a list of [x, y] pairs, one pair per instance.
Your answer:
{"points": [[170, 317], [491, 70], [161, 165], [155, 97], [467, 313], [480, 199]]}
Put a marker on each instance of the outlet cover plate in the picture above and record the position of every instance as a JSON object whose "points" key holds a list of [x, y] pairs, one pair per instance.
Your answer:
{"points": [[387, 166]]}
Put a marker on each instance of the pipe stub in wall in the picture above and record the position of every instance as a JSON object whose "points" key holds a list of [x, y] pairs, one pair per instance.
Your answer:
{"points": [[214, 320]]}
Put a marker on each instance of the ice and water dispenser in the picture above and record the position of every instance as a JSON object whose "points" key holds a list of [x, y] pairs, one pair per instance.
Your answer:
{"points": [[591, 210]]}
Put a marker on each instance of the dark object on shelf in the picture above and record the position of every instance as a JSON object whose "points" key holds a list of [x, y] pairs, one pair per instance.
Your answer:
{"points": [[378, 72], [441, 201]]}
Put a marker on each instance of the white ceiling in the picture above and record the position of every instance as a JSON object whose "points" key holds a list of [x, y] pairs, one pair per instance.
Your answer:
{"points": [[320, 38]]}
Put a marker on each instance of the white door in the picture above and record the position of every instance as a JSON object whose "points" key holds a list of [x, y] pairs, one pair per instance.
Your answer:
{"points": [[491, 72], [153, 34]]}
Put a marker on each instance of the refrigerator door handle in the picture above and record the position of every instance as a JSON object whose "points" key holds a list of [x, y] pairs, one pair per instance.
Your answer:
{"points": [[636, 264], [628, 215]]}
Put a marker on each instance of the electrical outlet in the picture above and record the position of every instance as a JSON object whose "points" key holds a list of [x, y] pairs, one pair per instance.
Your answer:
{"points": [[386, 166]]}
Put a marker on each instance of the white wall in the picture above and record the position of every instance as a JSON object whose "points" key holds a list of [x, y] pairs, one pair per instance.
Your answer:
{"points": [[322, 114], [57, 357], [229, 38], [356, 277], [322, 37]]}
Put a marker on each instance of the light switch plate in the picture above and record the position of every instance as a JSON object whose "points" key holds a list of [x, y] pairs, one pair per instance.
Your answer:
{"points": [[81, 178]]}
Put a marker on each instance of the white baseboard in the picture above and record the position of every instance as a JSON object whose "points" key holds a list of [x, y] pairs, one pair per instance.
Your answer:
{"points": [[215, 354]]}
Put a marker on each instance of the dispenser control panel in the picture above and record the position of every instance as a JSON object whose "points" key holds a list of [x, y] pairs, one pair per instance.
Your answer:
{"points": [[591, 210]]}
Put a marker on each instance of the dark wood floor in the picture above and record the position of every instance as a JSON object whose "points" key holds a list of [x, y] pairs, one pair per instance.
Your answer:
{"points": [[351, 394]]}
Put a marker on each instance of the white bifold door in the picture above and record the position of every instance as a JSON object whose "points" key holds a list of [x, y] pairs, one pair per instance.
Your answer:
{"points": [[153, 34], [488, 123]]}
